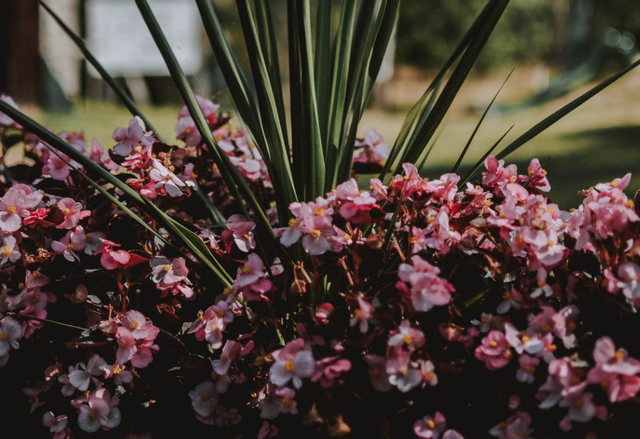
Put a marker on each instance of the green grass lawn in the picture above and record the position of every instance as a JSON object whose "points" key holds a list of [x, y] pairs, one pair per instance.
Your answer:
{"points": [[598, 142]]}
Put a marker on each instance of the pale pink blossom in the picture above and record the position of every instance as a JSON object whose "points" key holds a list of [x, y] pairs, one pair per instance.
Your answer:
{"points": [[242, 232], [56, 425], [292, 363], [99, 412], [169, 272], [17, 204], [10, 334], [166, 179], [72, 212], [9, 250], [128, 139]]}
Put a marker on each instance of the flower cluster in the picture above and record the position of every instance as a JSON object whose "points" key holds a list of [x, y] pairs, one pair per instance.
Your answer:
{"points": [[409, 307]]}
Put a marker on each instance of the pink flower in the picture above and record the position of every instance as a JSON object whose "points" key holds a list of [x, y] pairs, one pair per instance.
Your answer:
{"points": [[112, 259], [10, 334], [361, 315], [230, 352], [527, 368], [516, 427], [15, 205], [130, 138], [56, 424], [139, 327], [252, 281], [401, 375], [68, 245], [612, 360], [406, 337], [101, 157], [430, 427], [82, 375], [629, 273], [618, 387], [494, 351], [57, 167], [99, 412], [292, 363], [186, 130], [371, 148], [5, 120], [427, 289], [242, 232], [118, 372], [9, 250], [166, 179], [169, 272], [267, 430], [329, 369], [72, 212], [378, 372]]}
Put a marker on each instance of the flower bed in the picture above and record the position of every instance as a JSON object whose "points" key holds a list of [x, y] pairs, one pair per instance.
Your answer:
{"points": [[417, 307]]}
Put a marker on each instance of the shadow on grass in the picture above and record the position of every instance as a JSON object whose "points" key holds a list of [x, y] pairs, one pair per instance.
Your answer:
{"points": [[603, 154]]}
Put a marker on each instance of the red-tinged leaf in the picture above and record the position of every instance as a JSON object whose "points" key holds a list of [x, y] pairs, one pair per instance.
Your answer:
{"points": [[136, 259]]}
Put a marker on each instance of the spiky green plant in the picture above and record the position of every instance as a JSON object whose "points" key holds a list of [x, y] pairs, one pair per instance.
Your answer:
{"points": [[333, 66]]}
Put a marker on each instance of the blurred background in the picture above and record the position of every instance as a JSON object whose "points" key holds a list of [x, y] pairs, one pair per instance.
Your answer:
{"points": [[557, 50]]}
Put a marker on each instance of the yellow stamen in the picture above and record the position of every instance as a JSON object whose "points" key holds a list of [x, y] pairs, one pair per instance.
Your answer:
{"points": [[11, 210], [316, 233], [66, 211], [167, 267], [290, 366], [293, 222]]}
